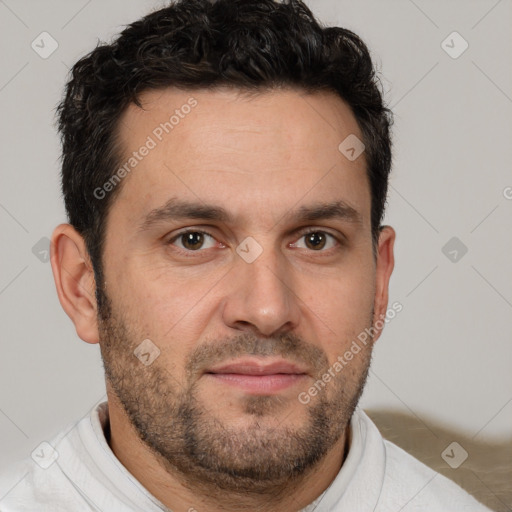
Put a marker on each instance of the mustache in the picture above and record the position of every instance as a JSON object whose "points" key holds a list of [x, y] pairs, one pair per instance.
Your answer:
{"points": [[288, 346]]}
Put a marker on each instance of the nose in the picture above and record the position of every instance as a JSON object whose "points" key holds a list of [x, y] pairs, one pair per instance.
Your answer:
{"points": [[261, 297]]}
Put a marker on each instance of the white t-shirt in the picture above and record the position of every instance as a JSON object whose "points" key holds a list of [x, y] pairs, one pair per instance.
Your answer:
{"points": [[77, 471]]}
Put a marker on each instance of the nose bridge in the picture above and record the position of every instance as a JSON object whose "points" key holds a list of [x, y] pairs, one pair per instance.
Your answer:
{"points": [[261, 294]]}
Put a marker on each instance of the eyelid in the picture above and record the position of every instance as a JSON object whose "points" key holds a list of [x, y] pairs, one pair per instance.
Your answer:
{"points": [[317, 229], [184, 231]]}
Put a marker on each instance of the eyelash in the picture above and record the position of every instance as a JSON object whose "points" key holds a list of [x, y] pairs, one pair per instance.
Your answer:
{"points": [[302, 234]]}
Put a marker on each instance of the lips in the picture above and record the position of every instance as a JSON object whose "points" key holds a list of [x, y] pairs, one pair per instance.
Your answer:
{"points": [[254, 367], [258, 377]]}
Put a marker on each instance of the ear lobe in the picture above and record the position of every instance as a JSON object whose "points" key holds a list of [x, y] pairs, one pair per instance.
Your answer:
{"points": [[385, 265], [74, 280]]}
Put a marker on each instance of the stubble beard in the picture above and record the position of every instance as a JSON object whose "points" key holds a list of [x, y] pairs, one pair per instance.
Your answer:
{"points": [[194, 445]]}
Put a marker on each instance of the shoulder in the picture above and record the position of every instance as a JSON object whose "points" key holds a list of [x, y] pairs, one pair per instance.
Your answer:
{"points": [[41, 481], [26, 486], [416, 487]]}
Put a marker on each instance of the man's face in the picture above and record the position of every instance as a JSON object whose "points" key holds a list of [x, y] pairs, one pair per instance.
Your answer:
{"points": [[248, 310]]}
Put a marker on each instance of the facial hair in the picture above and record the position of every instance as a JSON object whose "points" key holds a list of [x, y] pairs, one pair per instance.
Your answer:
{"points": [[198, 447]]}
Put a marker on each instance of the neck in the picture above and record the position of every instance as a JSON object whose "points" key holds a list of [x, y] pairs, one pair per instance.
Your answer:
{"points": [[181, 493]]}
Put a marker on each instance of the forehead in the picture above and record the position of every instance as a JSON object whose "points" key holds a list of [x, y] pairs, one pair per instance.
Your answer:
{"points": [[270, 148]]}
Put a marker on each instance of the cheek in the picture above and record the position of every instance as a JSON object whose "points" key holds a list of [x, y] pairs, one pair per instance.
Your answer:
{"points": [[166, 308], [341, 308]]}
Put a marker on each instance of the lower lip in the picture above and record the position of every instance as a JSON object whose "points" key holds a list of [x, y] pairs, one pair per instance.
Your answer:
{"points": [[259, 384]]}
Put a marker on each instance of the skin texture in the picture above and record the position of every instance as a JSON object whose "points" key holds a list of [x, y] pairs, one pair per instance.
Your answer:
{"points": [[193, 440]]}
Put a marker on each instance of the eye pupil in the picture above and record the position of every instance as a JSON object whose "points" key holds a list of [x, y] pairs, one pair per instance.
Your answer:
{"points": [[193, 240], [315, 240]]}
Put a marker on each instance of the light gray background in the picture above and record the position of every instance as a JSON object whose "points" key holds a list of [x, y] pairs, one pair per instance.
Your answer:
{"points": [[442, 369]]}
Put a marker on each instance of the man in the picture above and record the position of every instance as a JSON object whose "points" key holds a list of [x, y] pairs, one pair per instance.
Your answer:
{"points": [[225, 170]]}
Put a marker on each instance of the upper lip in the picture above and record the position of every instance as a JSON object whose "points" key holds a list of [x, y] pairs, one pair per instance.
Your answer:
{"points": [[258, 367]]}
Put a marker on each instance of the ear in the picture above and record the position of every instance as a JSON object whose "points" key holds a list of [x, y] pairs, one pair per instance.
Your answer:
{"points": [[385, 265], [74, 280]]}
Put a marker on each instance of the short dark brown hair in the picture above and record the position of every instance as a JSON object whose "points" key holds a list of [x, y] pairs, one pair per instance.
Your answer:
{"points": [[247, 44]]}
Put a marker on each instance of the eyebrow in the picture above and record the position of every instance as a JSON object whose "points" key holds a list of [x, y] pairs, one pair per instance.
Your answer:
{"points": [[177, 209]]}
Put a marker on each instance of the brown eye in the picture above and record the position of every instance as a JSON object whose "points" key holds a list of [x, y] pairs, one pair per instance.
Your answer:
{"points": [[315, 240], [193, 241], [318, 241]]}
